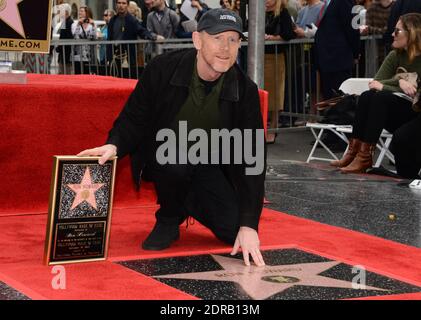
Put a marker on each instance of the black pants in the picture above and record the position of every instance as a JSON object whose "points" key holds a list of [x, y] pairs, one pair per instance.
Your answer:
{"points": [[200, 191], [406, 147], [378, 110], [331, 81], [82, 67]]}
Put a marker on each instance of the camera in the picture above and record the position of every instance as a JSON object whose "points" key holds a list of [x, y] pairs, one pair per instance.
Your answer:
{"points": [[86, 20]]}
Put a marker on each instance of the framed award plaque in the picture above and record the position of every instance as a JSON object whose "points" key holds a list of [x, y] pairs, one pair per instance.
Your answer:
{"points": [[79, 214]]}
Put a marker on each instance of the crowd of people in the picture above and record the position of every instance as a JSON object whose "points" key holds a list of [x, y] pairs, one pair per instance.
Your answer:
{"points": [[129, 20], [335, 26]]}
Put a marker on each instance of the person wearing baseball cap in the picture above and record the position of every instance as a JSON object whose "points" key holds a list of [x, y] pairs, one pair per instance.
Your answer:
{"points": [[220, 20], [204, 88]]}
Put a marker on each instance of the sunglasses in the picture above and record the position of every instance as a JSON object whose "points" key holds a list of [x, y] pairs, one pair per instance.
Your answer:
{"points": [[398, 31]]}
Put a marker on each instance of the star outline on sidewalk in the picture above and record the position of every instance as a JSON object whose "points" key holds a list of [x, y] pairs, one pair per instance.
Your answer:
{"points": [[261, 283]]}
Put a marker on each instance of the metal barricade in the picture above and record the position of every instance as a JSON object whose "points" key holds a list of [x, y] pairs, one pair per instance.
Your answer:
{"points": [[293, 87]]}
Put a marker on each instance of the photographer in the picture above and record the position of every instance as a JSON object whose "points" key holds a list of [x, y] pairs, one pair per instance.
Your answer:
{"points": [[84, 28]]}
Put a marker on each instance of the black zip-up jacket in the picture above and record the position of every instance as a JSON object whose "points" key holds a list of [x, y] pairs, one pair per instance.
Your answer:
{"points": [[337, 42], [160, 93], [132, 30]]}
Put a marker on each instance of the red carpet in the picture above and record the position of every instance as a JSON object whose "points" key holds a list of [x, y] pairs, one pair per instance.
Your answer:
{"points": [[54, 115], [22, 241]]}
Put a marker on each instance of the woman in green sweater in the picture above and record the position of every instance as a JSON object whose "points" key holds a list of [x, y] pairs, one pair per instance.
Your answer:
{"points": [[380, 108]]}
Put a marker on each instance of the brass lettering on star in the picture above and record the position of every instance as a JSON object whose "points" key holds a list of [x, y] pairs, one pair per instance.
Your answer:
{"points": [[256, 271]]}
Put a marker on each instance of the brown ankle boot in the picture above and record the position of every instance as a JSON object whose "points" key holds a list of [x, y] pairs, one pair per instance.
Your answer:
{"points": [[353, 147], [363, 160]]}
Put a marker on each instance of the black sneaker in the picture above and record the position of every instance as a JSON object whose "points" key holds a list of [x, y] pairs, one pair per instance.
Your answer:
{"points": [[161, 236]]}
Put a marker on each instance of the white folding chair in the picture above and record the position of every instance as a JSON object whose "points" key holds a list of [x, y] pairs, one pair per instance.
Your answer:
{"points": [[314, 126], [355, 85], [351, 86]]}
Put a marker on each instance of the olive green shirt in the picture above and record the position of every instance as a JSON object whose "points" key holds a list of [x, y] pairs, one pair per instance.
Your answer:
{"points": [[200, 110], [390, 66]]}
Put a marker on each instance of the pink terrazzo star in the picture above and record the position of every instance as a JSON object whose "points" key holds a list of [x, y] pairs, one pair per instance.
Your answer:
{"points": [[85, 191]]}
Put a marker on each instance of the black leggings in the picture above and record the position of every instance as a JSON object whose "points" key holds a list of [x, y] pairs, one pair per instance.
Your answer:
{"points": [[378, 110], [406, 146]]}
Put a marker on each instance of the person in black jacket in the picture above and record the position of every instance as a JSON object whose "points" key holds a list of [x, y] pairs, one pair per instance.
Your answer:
{"points": [[205, 89], [123, 26], [337, 45], [406, 148], [146, 8], [400, 7]]}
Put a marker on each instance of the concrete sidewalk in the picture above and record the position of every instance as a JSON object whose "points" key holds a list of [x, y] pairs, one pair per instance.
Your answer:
{"points": [[369, 203]]}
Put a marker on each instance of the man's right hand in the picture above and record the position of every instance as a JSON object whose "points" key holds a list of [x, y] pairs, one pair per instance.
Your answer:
{"points": [[106, 152]]}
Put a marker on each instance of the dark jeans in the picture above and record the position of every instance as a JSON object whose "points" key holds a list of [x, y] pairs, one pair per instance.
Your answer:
{"points": [[331, 81], [378, 110], [200, 191], [406, 147]]}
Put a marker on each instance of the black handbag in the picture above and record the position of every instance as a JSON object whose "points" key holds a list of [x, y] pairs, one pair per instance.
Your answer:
{"points": [[342, 111]]}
